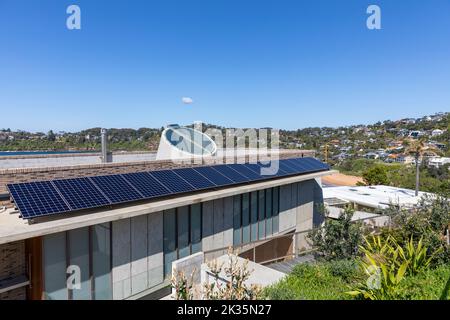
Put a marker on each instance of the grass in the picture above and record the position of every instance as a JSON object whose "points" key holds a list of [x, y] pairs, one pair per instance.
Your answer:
{"points": [[330, 281]]}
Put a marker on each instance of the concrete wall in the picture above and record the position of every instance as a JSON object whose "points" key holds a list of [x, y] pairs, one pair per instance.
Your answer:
{"points": [[137, 254]]}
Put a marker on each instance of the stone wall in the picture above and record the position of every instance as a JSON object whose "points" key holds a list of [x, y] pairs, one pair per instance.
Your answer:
{"points": [[12, 265]]}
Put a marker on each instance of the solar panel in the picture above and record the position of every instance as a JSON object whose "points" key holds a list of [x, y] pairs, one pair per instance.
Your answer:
{"points": [[271, 170], [230, 173], [246, 172], [318, 165], [194, 178], [213, 176], [287, 168], [80, 193], [146, 184], [172, 181], [35, 199], [116, 188], [299, 166]]}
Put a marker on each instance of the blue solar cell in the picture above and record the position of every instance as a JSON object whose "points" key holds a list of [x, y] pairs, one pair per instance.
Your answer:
{"points": [[116, 188], [243, 170], [272, 169], [299, 165], [287, 168], [213, 176], [37, 199], [194, 178], [230, 173], [172, 181], [316, 164], [146, 184], [80, 193]]}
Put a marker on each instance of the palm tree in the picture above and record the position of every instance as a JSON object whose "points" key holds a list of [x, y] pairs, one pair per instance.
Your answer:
{"points": [[418, 148]]}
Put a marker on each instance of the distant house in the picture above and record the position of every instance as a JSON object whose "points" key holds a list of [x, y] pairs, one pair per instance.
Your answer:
{"points": [[415, 134], [436, 132], [438, 162]]}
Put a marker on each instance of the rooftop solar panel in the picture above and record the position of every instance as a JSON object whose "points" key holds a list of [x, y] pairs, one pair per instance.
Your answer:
{"points": [[80, 193], [36, 199], [299, 166], [246, 172], [287, 168], [194, 178], [116, 188], [230, 173], [214, 176], [146, 184], [172, 181]]}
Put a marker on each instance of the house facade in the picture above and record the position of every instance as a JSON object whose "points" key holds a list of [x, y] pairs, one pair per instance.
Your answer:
{"points": [[126, 252]]}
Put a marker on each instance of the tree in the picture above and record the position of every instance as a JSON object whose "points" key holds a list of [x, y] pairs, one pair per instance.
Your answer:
{"points": [[376, 175], [51, 136], [418, 148]]}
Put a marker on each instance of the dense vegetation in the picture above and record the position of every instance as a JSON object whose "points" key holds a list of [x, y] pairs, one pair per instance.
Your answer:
{"points": [[410, 259], [398, 175]]}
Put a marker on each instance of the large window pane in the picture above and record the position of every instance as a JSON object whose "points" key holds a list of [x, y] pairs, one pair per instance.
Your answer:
{"points": [[237, 220], [79, 256], [245, 218], [196, 228], [183, 232], [254, 215], [101, 261], [54, 260], [268, 212], [261, 214], [169, 241], [275, 209]]}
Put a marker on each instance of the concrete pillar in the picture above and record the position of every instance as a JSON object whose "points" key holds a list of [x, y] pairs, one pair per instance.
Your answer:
{"points": [[228, 222], [208, 227], [121, 257], [139, 250], [155, 249], [218, 226]]}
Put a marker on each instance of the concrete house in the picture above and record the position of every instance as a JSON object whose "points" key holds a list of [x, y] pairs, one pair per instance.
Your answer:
{"points": [[126, 251]]}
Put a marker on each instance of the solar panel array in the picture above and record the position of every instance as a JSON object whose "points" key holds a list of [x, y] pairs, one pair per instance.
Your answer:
{"points": [[37, 199]]}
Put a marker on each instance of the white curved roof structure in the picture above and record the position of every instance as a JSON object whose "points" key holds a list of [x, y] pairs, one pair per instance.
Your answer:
{"points": [[181, 143]]}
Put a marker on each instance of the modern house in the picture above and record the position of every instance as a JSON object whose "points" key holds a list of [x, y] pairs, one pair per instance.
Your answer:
{"points": [[112, 230]]}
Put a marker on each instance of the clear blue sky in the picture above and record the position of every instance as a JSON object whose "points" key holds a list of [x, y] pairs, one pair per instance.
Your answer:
{"points": [[246, 63]]}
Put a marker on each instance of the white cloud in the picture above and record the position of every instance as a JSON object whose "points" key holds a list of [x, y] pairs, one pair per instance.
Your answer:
{"points": [[187, 100]]}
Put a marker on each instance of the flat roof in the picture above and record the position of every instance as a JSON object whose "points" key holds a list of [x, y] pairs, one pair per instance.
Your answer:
{"points": [[12, 228], [375, 196]]}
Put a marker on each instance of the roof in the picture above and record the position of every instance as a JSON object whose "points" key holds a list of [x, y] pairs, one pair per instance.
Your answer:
{"points": [[14, 229], [374, 196]]}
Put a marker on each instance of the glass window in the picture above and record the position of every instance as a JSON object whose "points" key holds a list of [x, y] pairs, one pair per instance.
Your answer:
{"points": [[245, 218], [254, 215], [54, 260], [268, 212], [183, 232], [101, 261], [79, 256], [196, 228], [261, 215], [275, 209], [237, 220], [169, 240]]}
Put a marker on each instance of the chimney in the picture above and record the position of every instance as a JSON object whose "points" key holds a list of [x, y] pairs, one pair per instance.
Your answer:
{"points": [[106, 156]]}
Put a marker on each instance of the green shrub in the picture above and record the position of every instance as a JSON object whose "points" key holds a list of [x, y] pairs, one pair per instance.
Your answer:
{"points": [[338, 238], [318, 281]]}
